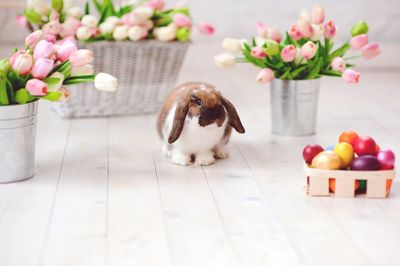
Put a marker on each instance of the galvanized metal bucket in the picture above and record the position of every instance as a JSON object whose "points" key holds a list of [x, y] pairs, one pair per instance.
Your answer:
{"points": [[17, 141], [294, 106]]}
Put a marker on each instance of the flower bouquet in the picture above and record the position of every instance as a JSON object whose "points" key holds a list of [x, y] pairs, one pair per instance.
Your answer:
{"points": [[296, 63], [143, 44], [41, 71]]}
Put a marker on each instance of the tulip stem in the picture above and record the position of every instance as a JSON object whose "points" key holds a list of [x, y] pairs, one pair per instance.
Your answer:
{"points": [[352, 57]]}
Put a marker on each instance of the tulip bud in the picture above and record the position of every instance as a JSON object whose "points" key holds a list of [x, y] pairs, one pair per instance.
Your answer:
{"points": [[106, 28], [21, 21], [69, 27], [357, 42], [318, 15], [121, 33], [294, 32], [167, 33], [155, 4], [351, 76], [265, 75], [360, 28], [81, 57], [318, 32], [232, 45], [370, 50], [53, 28], [183, 34], [89, 21], [54, 86], [32, 39], [288, 53], [274, 33], [303, 15], [43, 49], [5, 65], [65, 50], [260, 41], [330, 29], [113, 20], [299, 58], [258, 52], [133, 19], [105, 82], [308, 50], [58, 5], [83, 33], [261, 30], [42, 68], [82, 70], [75, 12], [64, 93], [181, 20], [40, 7], [305, 28], [224, 60], [32, 16], [136, 33], [206, 28], [36, 87], [21, 62], [338, 64], [144, 11], [272, 47]]}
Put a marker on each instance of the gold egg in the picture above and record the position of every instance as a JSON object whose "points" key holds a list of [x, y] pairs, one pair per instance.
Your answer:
{"points": [[327, 160]]}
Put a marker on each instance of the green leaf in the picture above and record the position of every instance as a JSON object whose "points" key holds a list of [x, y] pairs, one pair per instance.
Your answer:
{"points": [[246, 47], [58, 5], [3, 89], [87, 8], [288, 40], [316, 67], [254, 61], [285, 74], [33, 17], [331, 73], [339, 52], [98, 6], [78, 79], [22, 96], [4, 65], [53, 96], [297, 71], [51, 81]]}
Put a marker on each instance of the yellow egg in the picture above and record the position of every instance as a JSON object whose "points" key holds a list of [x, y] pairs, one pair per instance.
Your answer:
{"points": [[327, 160], [345, 152]]}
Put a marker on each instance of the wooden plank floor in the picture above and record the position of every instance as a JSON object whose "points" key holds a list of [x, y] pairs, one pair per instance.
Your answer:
{"points": [[104, 195]]}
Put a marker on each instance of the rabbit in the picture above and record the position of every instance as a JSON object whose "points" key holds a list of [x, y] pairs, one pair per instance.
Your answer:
{"points": [[196, 122]]}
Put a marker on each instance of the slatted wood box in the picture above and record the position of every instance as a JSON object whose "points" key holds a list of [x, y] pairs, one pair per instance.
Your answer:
{"points": [[378, 182]]}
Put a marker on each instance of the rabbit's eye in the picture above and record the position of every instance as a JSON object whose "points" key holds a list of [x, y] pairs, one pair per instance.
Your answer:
{"points": [[197, 102]]}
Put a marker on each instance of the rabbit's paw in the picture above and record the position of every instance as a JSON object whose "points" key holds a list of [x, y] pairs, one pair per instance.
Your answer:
{"points": [[205, 158], [180, 158]]}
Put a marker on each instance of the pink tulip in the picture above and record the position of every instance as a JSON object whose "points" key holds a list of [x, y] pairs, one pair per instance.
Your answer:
{"points": [[36, 87], [265, 75], [181, 20], [318, 15], [206, 28], [155, 4], [308, 50], [66, 39], [65, 50], [258, 52], [53, 27], [42, 68], [65, 93], [351, 76], [357, 42], [32, 39], [274, 33], [50, 38], [305, 28], [261, 29], [338, 64], [133, 19], [330, 29], [294, 32], [43, 49], [81, 57], [69, 27], [54, 15], [288, 53], [21, 62], [370, 50], [22, 22]]}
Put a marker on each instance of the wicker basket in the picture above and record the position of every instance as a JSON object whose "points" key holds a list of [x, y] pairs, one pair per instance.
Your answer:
{"points": [[146, 71], [378, 182]]}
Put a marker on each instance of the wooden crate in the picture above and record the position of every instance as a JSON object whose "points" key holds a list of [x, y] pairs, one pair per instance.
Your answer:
{"points": [[317, 182]]}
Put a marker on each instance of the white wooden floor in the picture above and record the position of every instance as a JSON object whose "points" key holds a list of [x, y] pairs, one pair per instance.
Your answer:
{"points": [[104, 195]]}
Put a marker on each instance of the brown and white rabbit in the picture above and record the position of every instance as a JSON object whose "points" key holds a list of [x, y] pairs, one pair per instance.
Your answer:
{"points": [[197, 121]]}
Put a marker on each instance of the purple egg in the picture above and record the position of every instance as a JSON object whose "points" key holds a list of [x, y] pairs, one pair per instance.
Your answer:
{"points": [[386, 158], [365, 163]]}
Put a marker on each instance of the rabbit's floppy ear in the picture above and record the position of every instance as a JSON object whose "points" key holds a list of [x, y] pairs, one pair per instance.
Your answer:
{"points": [[234, 119], [179, 121]]}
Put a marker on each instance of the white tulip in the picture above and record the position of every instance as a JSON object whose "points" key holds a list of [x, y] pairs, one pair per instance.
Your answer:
{"points": [[166, 34], [82, 70], [58, 85], [106, 28], [148, 24], [120, 33], [318, 32], [145, 11], [232, 45], [224, 60], [105, 82], [304, 15], [260, 41], [299, 57], [89, 21], [75, 12], [83, 33], [113, 20], [39, 6], [135, 33]]}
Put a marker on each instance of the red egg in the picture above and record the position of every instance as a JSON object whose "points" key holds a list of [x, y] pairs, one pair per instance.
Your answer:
{"points": [[365, 146], [310, 151], [365, 163], [386, 159]]}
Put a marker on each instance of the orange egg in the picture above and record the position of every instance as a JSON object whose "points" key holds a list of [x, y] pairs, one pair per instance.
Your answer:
{"points": [[332, 185], [348, 136]]}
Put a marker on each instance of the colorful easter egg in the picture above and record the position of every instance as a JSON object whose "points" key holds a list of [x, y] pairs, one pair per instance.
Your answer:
{"points": [[349, 137], [332, 185], [386, 159], [330, 147], [365, 163], [310, 151], [364, 146], [327, 160], [345, 152]]}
